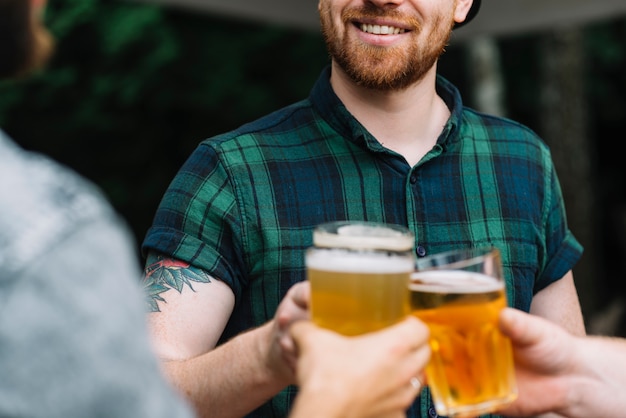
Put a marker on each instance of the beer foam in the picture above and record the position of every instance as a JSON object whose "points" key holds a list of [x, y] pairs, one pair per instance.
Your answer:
{"points": [[364, 236], [454, 281], [349, 262]]}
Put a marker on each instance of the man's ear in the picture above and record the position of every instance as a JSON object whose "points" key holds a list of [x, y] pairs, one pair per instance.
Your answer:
{"points": [[462, 9]]}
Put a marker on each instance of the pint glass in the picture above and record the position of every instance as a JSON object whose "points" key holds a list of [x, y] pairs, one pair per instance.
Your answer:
{"points": [[359, 274], [459, 295]]}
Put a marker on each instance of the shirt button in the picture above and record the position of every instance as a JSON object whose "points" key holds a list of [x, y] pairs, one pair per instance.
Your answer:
{"points": [[432, 412], [413, 179], [421, 251]]}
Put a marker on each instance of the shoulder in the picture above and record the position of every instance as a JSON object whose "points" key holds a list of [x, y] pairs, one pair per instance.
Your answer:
{"points": [[41, 202], [478, 126], [258, 141], [502, 133], [482, 125]]}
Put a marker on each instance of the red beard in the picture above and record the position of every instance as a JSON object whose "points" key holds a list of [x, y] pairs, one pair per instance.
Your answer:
{"points": [[381, 67]]}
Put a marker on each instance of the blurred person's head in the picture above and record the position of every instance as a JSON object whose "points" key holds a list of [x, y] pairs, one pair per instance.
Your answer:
{"points": [[25, 43]]}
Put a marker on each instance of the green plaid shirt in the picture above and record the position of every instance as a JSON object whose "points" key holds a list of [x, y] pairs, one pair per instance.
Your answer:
{"points": [[245, 203]]}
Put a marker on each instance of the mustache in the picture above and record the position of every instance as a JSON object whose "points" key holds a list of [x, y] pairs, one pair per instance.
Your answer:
{"points": [[370, 11]]}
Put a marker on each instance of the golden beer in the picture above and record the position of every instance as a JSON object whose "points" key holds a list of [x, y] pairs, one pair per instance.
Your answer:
{"points": [[471, 370], [357, 292], [359, 274]]}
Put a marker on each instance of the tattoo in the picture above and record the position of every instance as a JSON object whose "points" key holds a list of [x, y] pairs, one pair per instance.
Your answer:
{"points": [[162, 274]]}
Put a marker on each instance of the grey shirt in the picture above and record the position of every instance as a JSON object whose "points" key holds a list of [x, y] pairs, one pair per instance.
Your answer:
{"points": [[73, 341]]}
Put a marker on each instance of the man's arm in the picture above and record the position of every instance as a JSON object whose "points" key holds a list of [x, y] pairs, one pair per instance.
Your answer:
{"points": [[559, 303], [192, 310]]}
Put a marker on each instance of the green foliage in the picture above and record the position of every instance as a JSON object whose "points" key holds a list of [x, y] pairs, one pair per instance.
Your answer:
{"points": [[132, 89], [607, 78]]}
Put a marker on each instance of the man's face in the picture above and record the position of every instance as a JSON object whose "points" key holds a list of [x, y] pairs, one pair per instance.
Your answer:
{"points": [[386, 47]]}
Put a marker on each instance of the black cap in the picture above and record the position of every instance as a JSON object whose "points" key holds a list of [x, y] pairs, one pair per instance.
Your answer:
{"points": [[471, 14]]}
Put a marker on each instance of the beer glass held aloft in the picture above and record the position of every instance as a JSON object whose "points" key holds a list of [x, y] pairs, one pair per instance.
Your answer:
{"points": [[459, 295], [359, 274]]}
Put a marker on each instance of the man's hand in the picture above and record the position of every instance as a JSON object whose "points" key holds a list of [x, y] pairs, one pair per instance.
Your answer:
{"points": [[294, 307], [373, 375]]}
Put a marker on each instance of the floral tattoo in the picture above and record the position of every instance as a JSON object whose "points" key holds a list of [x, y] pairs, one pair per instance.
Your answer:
{"points": [[163, 274]]}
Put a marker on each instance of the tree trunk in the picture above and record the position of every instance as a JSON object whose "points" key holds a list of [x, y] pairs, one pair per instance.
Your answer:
{"points": [[486, 75], [563, 114]]}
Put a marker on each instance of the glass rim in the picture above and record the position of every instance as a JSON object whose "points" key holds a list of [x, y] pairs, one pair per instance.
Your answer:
{"points": [[363, 235], [471, 256]]}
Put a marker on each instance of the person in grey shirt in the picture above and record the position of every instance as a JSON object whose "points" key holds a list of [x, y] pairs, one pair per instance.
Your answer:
{"points": [[73, 339]]}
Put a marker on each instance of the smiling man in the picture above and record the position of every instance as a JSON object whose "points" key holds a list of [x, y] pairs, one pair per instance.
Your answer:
{"points": [[382, 137]]}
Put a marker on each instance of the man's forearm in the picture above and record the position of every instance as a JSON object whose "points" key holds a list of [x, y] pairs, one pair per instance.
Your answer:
{"points": [[598, 385], [231, 380]]}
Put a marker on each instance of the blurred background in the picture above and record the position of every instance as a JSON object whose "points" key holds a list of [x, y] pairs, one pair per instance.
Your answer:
{"points": [[135, 85]]}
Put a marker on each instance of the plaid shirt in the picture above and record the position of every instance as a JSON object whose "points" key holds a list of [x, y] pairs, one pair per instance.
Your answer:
{"points": [[245, 203]]}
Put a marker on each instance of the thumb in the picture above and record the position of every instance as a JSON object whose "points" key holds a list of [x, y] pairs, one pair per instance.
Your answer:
{"points": [[524, 329], [301, 292]]}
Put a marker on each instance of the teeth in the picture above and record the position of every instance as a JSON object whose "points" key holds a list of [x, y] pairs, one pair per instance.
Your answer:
{"points": [[381, 30]]}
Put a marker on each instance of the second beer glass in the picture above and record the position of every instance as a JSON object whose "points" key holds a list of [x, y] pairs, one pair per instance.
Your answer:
{"points": [[359, 274], [459, 295]]}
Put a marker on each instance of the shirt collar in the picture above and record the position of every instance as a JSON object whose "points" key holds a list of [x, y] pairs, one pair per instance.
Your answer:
{"points": [[452, 98], [333, 111]]}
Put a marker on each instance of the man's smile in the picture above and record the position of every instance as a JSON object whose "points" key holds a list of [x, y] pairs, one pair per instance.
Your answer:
{"points": [[381, 29]]}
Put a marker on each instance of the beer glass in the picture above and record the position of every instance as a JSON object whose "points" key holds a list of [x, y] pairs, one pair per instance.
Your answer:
{"points": [[459, 295], [359, 274]]}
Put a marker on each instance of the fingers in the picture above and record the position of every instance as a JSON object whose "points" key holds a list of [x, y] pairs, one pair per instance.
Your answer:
{"points": [[525, 329], [294, 306], [292, 309], [301, 294], [384, 368], [412, 328]]}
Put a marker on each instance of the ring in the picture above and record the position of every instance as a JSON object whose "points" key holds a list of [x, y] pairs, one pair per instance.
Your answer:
{"points": [[416, 383]]}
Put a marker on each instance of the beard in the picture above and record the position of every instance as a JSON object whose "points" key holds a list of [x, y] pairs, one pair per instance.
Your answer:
{"points": [[381, 67]]}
